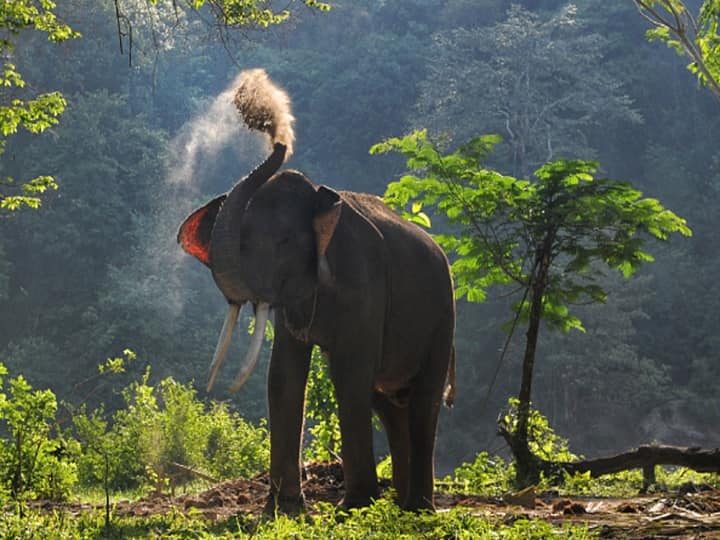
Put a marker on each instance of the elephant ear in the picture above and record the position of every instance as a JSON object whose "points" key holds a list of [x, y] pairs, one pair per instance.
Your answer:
{"points": [[327, 215], [195, 232]]}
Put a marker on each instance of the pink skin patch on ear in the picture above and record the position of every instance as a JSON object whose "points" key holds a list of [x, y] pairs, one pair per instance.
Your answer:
{"points": [[188, 237]]}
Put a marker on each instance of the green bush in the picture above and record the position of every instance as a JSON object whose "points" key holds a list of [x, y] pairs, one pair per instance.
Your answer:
{"points": [[33, 462], [234, 447], [163, 426], [485, 476]]}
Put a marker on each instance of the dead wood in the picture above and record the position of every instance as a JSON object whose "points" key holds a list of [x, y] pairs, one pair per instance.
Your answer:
{"points": [[645, 457]]}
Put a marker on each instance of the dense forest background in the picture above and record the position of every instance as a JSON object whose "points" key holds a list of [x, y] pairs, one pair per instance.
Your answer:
{"points": [[97, 270]]}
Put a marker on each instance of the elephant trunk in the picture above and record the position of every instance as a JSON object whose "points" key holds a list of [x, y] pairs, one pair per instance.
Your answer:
{"points": [[253, 353]]}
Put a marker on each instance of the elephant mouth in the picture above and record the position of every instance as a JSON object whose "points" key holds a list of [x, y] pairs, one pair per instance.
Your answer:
{"points": [[262, 310]]}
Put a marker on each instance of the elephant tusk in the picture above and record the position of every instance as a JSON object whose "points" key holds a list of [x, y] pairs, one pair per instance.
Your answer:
{"points": [[251, 358], [223, 343]]}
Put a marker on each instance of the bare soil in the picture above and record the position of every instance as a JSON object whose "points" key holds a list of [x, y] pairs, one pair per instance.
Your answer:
{"points": [[690, 513]]}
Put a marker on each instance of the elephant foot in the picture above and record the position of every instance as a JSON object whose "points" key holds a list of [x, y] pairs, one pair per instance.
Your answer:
{"points": [[356, 501], [418, 504], [288, 505]]}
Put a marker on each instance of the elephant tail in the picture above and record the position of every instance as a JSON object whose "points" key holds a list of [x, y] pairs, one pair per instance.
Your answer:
{"points": [[265, 107], [449, 395]]}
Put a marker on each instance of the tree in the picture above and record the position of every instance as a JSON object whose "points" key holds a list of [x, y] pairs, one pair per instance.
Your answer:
{"points": [[541, 82], [34, 114], [695, 37], [157, 21], [549, 237]]}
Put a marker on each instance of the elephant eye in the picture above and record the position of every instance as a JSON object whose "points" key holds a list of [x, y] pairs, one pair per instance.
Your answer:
{"points": [[284, 241]]}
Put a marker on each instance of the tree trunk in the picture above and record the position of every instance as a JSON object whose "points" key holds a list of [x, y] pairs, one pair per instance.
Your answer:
{"points": [[527, 469]]}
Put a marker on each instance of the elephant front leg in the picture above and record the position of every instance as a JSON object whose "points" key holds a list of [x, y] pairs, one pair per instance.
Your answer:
{"points": [[287, 377], [353, 387]]}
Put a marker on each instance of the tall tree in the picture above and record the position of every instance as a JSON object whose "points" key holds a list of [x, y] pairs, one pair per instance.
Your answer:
{"points": [[540, 81]]}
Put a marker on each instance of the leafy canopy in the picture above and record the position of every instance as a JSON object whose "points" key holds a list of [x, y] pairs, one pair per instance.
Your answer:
{"points": [[34, 114], [503, 225], [247, 13]]}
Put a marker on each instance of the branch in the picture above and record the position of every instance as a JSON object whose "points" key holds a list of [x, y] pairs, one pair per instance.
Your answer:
{"points": [[195, 472], [698, 459]]}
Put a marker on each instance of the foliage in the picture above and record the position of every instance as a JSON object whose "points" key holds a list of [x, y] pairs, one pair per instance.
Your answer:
{"points": [[505, 224], [381, 520], [32, 463], [163, 425], [484, 476], [696, 37], [542, 439], [152, 27], [242, 13], [322, 409], [235, 448], [493, 476], [36, 114]]}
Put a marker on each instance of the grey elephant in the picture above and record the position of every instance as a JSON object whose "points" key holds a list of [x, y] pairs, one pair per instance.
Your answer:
{"points": [[342, 271]]}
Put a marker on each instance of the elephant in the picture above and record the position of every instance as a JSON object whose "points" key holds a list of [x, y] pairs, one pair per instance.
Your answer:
{"points": [[342, 271]]}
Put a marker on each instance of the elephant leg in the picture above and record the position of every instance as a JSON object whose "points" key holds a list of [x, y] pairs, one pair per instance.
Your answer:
{"points": [[423, 415], [287, 377], [424, 409], [395, 422], [353, 388]]}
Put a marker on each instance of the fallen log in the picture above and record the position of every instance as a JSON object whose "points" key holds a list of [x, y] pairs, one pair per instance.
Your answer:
{"points": [[698, 459], [645, 457]]}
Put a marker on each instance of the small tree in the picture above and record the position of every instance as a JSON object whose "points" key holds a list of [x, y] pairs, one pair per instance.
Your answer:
{"points": [[550, 237]]}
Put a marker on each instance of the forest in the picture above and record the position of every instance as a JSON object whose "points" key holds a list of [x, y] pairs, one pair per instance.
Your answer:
{"points": [[107, 326]]}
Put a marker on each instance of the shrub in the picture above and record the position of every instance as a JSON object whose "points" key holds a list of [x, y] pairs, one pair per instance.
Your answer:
{"points": [[161, 426], [33, 463]]}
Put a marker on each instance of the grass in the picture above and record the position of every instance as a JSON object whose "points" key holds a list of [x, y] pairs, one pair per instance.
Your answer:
{"points": [[383, 520]]}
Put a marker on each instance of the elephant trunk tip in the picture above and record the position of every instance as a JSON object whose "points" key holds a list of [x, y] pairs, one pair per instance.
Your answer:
{"points": [[265, 107]]}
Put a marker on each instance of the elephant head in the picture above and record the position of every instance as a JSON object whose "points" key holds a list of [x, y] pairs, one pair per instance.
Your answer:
{"points": [[265, 245]]}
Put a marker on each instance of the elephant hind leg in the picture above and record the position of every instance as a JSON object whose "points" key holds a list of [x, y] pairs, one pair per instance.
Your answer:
{"points": [[394, 419], [423, 415], [423, 412]]}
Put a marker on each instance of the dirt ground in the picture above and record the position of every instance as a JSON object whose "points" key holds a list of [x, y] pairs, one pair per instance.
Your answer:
{"points": [[690, 513]]}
